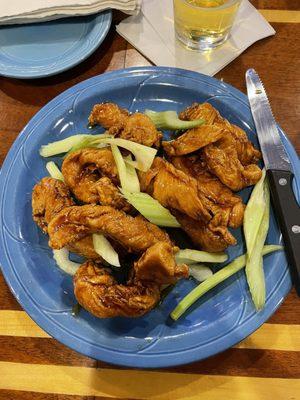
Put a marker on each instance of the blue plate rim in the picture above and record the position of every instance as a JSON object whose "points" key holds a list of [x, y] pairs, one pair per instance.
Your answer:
{"points": [[138, 360], [97, 41]]}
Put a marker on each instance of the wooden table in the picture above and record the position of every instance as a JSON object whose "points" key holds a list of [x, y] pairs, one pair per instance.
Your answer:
{"points": [[266, 365]]}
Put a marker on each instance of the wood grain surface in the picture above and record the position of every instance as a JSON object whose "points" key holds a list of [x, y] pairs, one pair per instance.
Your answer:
{"points": [[267, 364]]}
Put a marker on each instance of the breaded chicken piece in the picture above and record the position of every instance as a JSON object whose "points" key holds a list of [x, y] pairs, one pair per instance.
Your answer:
{"points": [[222, 161], [205, 236], [201, 111], [136, 127], [135, 234], [226, 207], [99, 293], [140, 129], [108, 115], [193, 140], [92, 175], [233, 157], [85, 248], [173, 189], [109, 195], [49, 197], [157, 264]]}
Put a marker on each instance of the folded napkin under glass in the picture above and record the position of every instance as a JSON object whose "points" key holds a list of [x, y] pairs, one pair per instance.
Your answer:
{"points": [[27, 11], [152, 33]]}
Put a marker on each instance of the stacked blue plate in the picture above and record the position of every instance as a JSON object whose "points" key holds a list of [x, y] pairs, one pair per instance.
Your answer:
{"points": [[44, 49]]}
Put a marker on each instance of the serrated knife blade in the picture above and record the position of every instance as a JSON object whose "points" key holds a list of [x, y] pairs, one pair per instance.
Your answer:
{"points": [[279, 173], [273, 151]]}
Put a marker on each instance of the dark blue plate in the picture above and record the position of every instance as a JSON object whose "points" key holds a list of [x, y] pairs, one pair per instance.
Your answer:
{"points": [[47, 48], [219, 320]]}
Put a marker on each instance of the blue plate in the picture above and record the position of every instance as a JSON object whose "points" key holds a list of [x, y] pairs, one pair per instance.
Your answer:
{"points": [[44, 49], [222, 318]]}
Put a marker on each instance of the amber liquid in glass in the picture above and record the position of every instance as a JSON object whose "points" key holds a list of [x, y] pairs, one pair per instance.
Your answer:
{"points": [[204, 24]]}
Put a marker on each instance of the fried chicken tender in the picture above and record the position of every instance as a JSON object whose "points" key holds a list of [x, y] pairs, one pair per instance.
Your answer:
{"points": [[49, 197], [222, 161], [73, 223], [99, 293], [108, 115], [201, 111], [193, 139], [157, 264], [140, 129], [233, 157], [246, 152], [136, 127], [205, 236], [92, 176], [85, 248], [173, 189], [226, 207]]}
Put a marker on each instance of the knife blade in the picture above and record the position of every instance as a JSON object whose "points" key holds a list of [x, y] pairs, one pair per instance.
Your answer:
{"points": [[279, 172]]}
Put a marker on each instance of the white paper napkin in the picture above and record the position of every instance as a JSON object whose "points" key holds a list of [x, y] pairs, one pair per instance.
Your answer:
{"points": [[152, 33], [25, 11]]}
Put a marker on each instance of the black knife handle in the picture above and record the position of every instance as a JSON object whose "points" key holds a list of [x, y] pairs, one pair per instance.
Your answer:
{"points": [[288, 213]]}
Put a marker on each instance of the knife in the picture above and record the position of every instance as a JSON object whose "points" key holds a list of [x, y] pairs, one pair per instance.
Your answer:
{"points": [[279, 172]]}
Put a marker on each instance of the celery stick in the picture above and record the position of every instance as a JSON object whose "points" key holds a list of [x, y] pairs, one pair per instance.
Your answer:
{"points": [[169, 120], [127, 174], [83, 144], [144, 155], [62, 260], [189, 256], [64, 145], [220, 276], [105, 250], [254, 213], [54, 171], [254, 267], [151, 209], [132, 174], [200, 272]]}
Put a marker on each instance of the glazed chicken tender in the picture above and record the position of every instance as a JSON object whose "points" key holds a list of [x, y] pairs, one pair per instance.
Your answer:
{"points": [[136, 127], [108, 115], [158, 265], [226, 207], [92, 176], [173, 189], [222, 160], [232, 157], [193, 139], [99, 293], [205, 236], [73, 223], [49, 197]]}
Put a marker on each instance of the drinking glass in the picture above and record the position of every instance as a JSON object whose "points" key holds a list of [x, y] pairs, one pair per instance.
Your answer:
{"points": [[204, 24]]}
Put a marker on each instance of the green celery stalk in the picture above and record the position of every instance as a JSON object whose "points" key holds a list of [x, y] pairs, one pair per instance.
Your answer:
{"points": [[54, 171], [65, 145], [254, 266], [103, 247], [190, 256], [200, 272], [170, 120], [127, 174], [220, 276], [254, 213], [151, 209], [144, 155]]}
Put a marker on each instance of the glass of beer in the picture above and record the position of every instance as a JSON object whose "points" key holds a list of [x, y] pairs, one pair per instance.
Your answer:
{"points": [[204, 24]]}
